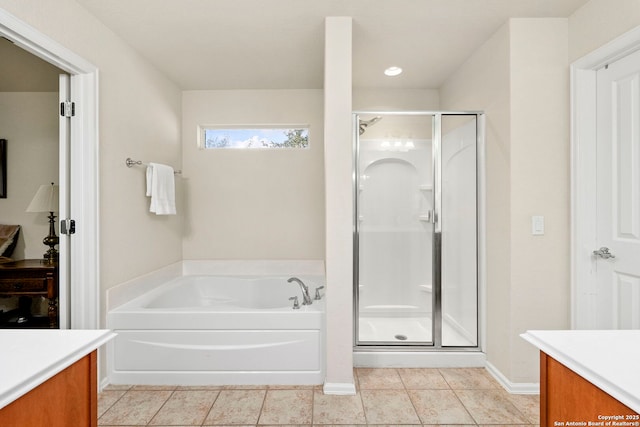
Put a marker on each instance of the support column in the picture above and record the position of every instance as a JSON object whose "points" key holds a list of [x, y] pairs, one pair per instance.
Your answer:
{"points": [[338, 164]]}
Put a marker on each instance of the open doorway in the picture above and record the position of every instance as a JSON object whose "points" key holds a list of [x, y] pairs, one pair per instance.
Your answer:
{"points": [[77, 172], [29, 123]]}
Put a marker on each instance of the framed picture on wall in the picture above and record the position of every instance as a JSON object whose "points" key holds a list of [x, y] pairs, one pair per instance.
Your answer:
{"points": [[3, 168]]}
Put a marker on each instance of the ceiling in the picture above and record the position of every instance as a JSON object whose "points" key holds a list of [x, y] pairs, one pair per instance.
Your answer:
{"points": [[278, 44]]}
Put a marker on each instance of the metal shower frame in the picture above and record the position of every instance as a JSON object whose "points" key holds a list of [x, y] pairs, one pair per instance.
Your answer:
{"points": [[436, 343]]}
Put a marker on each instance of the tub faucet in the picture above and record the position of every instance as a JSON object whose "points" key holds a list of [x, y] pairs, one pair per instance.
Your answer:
{"points": [[306, 298]]}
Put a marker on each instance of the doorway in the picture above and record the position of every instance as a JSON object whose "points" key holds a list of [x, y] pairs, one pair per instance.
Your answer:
{"points": [[416, 230], [29, 123], [618, 195], [79, 167], [605, 197]]}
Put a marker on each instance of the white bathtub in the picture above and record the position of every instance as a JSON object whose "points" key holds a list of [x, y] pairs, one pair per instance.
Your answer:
{"points": [[195, 330]]}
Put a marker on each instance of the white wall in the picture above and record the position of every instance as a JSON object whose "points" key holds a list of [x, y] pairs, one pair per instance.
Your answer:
{"points": [[395, 99], [520, 78], [139, 113], [598, 22], [29, 123], [253, 204], [482, 83], [539, 185]]}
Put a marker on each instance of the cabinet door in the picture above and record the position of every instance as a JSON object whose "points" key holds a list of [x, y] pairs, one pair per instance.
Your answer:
{"points": [[566, 396], [66, 399]]}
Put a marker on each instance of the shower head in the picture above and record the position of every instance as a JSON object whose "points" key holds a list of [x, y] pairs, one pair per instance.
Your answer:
{"points": [[364, 124]]}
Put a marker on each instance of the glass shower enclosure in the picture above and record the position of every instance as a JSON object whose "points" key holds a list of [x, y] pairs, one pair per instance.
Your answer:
{"points": [[416, 229]]}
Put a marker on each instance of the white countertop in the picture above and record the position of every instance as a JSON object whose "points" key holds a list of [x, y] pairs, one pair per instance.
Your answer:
{"points": [[608, 359], [29, 357]]}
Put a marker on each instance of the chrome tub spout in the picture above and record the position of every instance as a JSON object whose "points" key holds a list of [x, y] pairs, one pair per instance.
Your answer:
{"points": [[306, 298]]}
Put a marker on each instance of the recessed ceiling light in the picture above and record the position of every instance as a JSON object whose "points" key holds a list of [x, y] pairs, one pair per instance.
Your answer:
{"points": [[392, 71]]}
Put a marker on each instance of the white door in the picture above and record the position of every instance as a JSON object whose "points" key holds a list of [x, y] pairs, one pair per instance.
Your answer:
{"points": [[617, 253], [64, 181]]}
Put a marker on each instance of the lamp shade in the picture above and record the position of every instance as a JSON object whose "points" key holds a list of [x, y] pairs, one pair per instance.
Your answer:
{"points": [[45, 200]]}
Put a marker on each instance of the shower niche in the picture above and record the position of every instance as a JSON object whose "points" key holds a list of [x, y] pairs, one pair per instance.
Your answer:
{"points": [[416, 246]]}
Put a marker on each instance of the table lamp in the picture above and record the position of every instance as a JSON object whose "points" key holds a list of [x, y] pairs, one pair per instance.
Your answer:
{"points": [[46, 200]]}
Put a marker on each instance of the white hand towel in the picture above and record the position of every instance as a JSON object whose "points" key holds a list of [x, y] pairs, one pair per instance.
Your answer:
{"points": [[161, 189]]}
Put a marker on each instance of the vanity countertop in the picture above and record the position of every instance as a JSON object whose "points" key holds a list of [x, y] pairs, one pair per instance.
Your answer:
{"points": [[609, 359], [30, 357]]}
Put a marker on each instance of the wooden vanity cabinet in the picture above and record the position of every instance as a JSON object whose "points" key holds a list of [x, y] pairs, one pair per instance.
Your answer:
{"points": [[567, 397], [69, 398]]}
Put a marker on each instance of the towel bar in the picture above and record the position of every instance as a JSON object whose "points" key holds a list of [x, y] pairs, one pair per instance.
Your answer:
{"points": [[131, 163]]}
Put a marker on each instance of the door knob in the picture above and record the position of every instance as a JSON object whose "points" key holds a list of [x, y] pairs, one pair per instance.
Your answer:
{"points": [[603, 252]]}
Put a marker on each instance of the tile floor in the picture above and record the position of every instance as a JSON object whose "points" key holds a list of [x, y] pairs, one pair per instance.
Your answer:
{"points": [[460, 396]]}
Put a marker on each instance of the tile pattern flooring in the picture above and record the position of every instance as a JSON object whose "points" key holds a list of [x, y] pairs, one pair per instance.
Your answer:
{"points": [[456, 396]]}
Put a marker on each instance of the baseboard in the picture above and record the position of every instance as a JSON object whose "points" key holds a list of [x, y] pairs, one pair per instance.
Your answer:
{"points": [[343, 389], [511, 387], [103, 383]]}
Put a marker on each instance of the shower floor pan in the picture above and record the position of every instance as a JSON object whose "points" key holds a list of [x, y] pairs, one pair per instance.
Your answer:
{"points": [[406, 330]]}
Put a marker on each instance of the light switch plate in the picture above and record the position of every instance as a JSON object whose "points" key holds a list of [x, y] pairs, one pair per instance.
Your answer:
{"points": [[537, 225]]}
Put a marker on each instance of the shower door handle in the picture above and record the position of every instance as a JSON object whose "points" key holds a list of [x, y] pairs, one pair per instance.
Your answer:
{"points": [[428, 216], [432, 217]]}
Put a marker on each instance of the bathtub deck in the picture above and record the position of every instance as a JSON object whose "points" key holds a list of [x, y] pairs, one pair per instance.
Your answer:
{"points": [[467, 396]]}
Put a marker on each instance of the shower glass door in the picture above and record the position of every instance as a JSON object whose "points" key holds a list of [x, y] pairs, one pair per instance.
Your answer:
{"points": [[395, 230], [416, 230]]}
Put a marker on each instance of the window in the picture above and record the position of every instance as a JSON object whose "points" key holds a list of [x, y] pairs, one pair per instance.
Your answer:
{"points": [[254, 137]]}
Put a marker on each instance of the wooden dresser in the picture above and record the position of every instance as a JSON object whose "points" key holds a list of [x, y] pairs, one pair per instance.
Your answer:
{"points": [[32, 277]]}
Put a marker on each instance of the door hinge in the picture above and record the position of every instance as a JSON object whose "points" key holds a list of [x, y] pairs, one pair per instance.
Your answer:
{"points": [[67, 226], [67, 109]]}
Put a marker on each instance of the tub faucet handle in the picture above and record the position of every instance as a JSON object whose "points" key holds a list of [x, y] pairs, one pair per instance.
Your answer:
{"points": [[296, 305], [318, 296]]}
